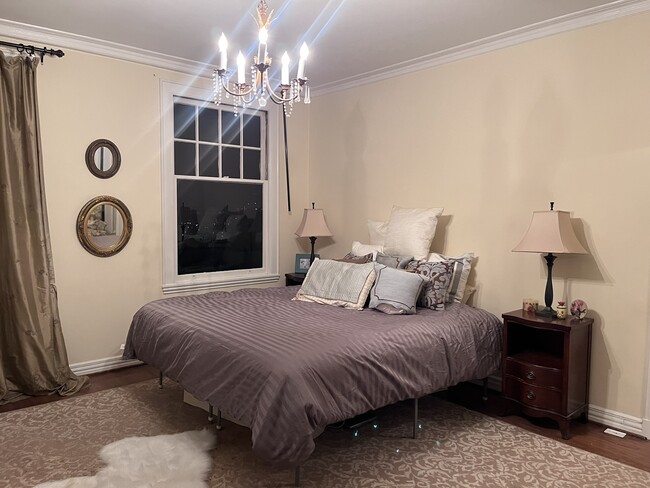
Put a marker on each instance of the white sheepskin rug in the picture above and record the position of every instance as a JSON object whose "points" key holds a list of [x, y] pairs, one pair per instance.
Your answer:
{"points": [[164, 461]]}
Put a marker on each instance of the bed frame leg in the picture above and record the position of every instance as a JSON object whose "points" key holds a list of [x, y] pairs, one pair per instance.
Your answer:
{"points": [[296, 479], [415, 419], [160, 380], [211, 416], [485, 389]]}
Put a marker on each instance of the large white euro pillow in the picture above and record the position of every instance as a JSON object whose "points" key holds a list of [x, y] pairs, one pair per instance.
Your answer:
{"points": [[377, 232], [410, 231]]}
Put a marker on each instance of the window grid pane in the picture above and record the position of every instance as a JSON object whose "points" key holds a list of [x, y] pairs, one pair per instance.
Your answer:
{"points": [[237, 135]]}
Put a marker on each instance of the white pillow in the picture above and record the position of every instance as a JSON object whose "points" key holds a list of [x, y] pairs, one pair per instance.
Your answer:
{"points": [[359, 249], [462, 265], [377, 231], [410, 231]]}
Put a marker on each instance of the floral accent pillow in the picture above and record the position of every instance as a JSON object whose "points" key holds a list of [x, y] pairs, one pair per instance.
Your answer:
{"points": [[437, 279], [353, 258]]}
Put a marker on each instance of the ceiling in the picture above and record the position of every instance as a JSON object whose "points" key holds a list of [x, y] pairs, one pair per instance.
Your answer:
{"points": [[348, 39]]}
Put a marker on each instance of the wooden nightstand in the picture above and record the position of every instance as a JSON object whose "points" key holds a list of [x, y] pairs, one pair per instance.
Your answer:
{"points": [[546, 366], [292, 279]]}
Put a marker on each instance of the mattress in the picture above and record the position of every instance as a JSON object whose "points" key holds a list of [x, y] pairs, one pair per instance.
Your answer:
{"points": [[288, 368]]}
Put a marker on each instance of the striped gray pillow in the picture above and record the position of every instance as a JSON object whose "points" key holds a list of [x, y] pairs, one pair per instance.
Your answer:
{"points": [[337, 283]]}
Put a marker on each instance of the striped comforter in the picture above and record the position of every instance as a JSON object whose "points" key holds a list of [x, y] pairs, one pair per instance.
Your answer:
{"points": [[288, 368]]}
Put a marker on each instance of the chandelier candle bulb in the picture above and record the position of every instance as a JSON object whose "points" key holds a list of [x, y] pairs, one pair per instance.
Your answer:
{"points": [[223, 49], [285, 69], [304, 52], [261, 51], [241, 73]]}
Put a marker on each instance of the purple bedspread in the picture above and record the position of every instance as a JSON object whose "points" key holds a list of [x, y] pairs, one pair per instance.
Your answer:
{"points": [[288, 368]]}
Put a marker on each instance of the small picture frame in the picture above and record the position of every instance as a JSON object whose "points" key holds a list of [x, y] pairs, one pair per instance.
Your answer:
{"points": [[302, 262]]}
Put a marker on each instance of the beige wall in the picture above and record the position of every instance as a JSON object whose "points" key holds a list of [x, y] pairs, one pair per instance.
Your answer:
{"points": [[491, 138], [85, 97], [494, 137]]}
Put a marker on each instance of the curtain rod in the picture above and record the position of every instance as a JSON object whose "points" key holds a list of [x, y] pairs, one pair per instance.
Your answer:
{"points": [[29, 49]]}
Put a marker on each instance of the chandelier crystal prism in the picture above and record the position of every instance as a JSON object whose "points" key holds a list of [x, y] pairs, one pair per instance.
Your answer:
{"points": [[259, 88]]}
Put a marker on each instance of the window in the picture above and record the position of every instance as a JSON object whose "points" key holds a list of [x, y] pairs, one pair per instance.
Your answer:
{"points": [[219, 193]]}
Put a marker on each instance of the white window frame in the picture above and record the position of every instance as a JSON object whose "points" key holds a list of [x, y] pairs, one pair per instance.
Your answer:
{"points": [[172, 281]]}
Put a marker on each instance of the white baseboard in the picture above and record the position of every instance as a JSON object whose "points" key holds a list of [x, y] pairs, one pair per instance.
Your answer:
{"points": [[105, 364], [600, 415], [616, 420]]}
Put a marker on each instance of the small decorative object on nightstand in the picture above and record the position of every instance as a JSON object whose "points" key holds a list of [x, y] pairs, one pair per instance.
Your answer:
{"points": [[578, 308], [293, 279], [546, 366]]}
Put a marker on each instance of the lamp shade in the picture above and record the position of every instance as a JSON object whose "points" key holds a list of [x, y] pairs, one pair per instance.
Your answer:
{"points": [[313, 224], [551, 232]]}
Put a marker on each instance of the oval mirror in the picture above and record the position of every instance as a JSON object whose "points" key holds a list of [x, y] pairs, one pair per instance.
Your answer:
{"points": [[104, 226], [103, 158]]}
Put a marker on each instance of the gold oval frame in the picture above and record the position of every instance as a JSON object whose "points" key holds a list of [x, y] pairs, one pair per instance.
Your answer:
{"points": [[82, 220], [90, 158]]}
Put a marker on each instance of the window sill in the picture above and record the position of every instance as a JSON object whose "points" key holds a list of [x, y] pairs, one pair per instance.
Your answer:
{"points": [[214, 285]]}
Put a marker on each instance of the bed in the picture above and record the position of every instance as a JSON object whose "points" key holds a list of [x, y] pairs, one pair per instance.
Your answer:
{"points": [[286, 369]]}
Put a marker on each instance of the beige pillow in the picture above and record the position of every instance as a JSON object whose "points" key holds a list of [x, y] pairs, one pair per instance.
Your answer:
{"points": [[377, 231], [410, 231], [469, 291]]}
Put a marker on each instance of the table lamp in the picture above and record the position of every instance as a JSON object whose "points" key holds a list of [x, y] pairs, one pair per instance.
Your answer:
{"points": [[313, 225], [550, 232]]}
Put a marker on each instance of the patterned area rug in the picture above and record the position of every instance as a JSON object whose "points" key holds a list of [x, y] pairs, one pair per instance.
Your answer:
{"points": [[456, 447], [165, 461]]}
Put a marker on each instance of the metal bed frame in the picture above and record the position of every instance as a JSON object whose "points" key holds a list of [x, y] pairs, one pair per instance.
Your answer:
{"points": [[297, 470]]}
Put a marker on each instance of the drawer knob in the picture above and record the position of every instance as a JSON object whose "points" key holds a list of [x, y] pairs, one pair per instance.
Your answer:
{"points": [[531, 376], [531, 395]]}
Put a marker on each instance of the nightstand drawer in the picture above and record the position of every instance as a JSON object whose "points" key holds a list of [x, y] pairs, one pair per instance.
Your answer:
{"points": [[534, 396], [534, 374]]}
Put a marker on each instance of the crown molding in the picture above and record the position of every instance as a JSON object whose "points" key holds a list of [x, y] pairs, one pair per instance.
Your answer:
{"points": [[100, 47], [578, 20], [565, 23]]}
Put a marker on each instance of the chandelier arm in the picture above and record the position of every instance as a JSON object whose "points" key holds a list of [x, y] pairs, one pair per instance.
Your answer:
{"points": [[235, 93], [279, 100]]}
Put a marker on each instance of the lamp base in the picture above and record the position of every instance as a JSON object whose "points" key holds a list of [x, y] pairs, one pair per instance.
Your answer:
{"points": [[546, 312]]}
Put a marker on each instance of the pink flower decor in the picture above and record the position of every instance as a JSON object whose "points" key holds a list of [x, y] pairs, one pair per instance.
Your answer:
{"points": [[578, 308]]}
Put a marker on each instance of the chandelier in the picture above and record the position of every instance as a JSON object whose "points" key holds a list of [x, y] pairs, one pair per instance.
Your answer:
{"points": [[259, 88]]}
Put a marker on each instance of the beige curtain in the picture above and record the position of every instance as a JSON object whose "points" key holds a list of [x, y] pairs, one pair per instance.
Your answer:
{"points": [[33, 358]]}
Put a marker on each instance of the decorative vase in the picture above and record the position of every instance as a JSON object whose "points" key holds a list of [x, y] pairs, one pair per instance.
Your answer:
{"points": [[561, 310], [579, 308]]}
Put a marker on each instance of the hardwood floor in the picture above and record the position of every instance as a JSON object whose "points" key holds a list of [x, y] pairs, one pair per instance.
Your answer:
{"points": [[98, 382], [630, 450]]}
